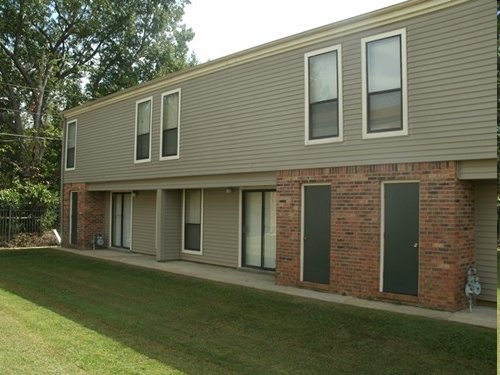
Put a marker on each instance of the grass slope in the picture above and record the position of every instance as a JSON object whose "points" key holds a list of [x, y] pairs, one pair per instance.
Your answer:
{"points": [[498, 313], [72, 314]]}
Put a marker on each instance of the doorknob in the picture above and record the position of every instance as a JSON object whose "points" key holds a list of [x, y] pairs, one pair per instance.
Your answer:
{"points": [[415, 245]]}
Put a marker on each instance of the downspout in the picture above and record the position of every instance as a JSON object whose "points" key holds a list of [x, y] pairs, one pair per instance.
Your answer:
{"points": [[61, 200]]}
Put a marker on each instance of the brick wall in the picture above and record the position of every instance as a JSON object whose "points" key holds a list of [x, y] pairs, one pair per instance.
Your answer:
{"points": [[446, 246], [90, 215]]}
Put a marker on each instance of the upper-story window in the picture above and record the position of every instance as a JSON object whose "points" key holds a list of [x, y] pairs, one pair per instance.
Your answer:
{"points": [[384, 85], [323, 82], [70, 145], [170, 124], [143, 130]]}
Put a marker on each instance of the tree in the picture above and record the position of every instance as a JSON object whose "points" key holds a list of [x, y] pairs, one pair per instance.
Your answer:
{"points": [[55, 54]]}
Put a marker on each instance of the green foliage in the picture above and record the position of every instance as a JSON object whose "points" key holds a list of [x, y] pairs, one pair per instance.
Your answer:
{"points": [[9, 197], [58, 54], [49, 219], [29, 210], [147, 41], [29, 194]]}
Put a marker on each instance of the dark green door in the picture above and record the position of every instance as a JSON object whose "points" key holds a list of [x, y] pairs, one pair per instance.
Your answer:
{"points": [[401, 228], [316, 250], [73, 230]]}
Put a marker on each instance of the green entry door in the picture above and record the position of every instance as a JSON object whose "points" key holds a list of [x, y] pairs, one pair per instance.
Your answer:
{"points": [[73, 225], [401, 238], [316, 234]]}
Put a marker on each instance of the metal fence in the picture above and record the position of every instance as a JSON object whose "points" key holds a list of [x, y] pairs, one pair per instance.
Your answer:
{"points": [[27, 225]]}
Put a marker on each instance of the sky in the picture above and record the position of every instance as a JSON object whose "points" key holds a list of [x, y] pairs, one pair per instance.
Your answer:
{"points": [[223, 27]]}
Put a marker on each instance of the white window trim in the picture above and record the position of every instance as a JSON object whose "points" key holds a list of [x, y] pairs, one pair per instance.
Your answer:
{"points": [[150, 130], [66, 146], [172, 157], [340, 137], [364, 91], [186, 251]]}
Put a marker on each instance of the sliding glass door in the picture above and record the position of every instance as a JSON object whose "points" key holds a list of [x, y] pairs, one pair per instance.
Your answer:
{"points": [[259, 229], [121, 220]]}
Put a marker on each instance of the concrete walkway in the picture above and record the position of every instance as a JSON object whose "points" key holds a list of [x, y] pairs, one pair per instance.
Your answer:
{"points": [[480, 316]]}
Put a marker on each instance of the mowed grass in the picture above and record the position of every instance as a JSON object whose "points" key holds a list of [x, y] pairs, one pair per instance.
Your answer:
{"points": [[498, 312], [67, 314]]}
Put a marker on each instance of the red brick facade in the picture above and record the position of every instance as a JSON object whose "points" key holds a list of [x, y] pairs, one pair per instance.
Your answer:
{"points": [[446, 243], [90, 215]]}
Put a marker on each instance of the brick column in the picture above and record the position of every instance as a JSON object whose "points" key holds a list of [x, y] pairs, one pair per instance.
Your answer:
{"points": [[447, 240], [90, 215], [288, 217]]}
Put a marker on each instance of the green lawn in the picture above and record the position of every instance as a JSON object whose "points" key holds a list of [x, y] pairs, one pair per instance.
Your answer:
{"points": [[67, 314], [498, 311]]}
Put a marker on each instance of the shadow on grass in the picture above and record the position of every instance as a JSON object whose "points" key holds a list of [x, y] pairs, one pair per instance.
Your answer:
{"points": [[204, 327]]}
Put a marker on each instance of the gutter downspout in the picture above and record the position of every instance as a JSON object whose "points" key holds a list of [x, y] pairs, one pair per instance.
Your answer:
{"points": [[61, 183]]}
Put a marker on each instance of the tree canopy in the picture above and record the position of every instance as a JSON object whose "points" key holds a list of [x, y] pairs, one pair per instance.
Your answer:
{"points": [[55, 54]]}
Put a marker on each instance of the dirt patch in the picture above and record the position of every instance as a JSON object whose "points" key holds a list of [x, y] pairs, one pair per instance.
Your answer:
{"points": [[47, 238]]}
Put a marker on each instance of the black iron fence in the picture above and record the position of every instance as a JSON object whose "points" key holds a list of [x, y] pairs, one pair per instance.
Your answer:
{"points": [[28, 225]]}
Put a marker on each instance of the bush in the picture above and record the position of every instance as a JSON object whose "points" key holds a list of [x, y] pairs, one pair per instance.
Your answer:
{"points": [[28, 213], [50, 218], [28, 194]]}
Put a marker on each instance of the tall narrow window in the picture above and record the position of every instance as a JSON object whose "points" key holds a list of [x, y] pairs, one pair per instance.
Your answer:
{"points": [[259, 229], [193, 208], [170, 123], [143, 130], [71, 145], [384, 68], [323, 96], [121, 220]]}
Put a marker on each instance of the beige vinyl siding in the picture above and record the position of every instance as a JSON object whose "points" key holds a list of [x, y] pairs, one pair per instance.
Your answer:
{"points": [[478, 169], [144, 223], [220, 228], [173, 224], [249, 118], [486, 241], [248, 122], [191, 182]]}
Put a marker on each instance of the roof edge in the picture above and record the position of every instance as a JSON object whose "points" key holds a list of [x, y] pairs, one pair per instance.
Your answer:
{"points": [[376, 18]]}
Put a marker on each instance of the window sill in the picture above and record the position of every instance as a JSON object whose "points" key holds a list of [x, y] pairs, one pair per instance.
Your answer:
{"points": [[173, 157], [387, 134], [310, 142], [192, 252]]}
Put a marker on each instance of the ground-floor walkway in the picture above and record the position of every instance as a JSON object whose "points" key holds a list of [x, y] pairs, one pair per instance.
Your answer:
{"points": [[480, 315]]}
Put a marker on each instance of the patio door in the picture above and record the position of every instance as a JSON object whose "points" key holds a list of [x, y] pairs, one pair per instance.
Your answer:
{"points": [[259, 229], [121, 218], [401, 238]]}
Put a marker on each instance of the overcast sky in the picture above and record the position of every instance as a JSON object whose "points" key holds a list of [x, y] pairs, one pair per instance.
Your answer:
{"points": [[224, 27]]}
